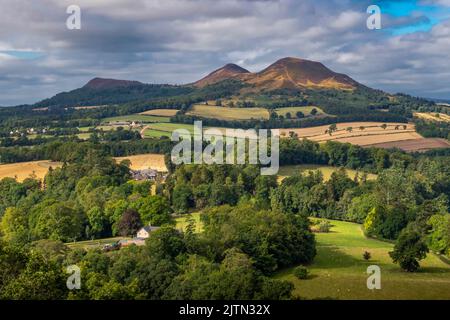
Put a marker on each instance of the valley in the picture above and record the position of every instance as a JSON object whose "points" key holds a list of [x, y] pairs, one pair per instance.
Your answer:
{"points": [[363, 175]]}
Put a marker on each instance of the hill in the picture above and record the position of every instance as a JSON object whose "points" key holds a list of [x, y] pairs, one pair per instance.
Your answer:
{"points": [[226, 72], [100, 83], [294, 73], [286, 73]]}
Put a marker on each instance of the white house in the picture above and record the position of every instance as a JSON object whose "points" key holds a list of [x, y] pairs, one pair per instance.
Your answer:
{"points": [[144, 232]]}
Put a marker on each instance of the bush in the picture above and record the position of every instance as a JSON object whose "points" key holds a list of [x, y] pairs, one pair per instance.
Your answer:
{"points": [[321, 226], [367, 255], [301, 273]]}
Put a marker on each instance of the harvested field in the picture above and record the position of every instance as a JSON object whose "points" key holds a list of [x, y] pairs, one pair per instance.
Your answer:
{"points": [[226, 113], [146, 161], [433, 116], [160, 112], [23, 170], [415, 145], [361, 133]]}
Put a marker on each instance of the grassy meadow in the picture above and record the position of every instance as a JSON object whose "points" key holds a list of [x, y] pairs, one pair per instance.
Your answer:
{"points": [[227, 113], [286, 171], [339, 270]]}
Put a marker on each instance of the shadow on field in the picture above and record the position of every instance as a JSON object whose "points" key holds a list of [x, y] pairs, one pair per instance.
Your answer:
{"points": [[332, 257]]}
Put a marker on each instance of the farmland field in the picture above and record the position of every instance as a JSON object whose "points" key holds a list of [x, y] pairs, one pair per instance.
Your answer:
{"points": [[165, 129], [358, 133], [226, 113], [339, 270], [415, 145], [146, 161], [136, 117], [160, 112], [286, 171], [23, 170], [433, 116]]}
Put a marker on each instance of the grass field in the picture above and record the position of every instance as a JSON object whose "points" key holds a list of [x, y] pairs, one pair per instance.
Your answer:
{"points": [[339, 271], [181, 221], [226, 113], [286, 171], [136, 117], [92, 244], [146, 161], [160, 112], [293, 110], [433, 116], [165, 129], [23, 170]]}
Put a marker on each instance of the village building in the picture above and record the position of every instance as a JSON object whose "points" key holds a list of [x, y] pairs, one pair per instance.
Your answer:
{"points": [[145, 174], [144, 232]]}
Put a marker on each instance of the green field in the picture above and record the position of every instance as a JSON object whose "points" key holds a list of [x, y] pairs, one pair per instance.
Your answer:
{"points": [[181, 221], [293, 110], [136, 117], [92, 244], [227, 113], [165, 129], [83, 136], [339, 271], [286, 171]]}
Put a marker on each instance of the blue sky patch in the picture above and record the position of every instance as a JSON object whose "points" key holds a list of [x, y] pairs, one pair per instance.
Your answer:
{"points": [[434, 14], [26, 55]]}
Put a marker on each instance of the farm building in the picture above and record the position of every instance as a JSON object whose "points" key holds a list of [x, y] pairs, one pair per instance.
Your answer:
{"points": [[144, 232], [145, 174]]}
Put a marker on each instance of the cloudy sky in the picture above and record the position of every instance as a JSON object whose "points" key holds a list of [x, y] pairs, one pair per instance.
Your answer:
{"points": [[179, 41]]}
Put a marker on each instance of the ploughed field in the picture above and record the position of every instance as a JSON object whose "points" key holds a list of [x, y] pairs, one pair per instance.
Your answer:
{"points": [[371, 134], [415, 145]]}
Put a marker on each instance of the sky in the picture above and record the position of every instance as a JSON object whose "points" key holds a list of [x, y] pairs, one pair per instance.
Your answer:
{"points": [[180, 41]]}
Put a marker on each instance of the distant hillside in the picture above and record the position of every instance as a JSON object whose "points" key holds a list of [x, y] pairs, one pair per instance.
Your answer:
{"points": [[228, 71], [100, 91], [287, 82], [100, 84], [286, 73]]}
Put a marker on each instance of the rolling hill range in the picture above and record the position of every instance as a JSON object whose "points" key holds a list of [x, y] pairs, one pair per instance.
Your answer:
{"points": [[292, 75], [289, 82], [286, 73]]}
